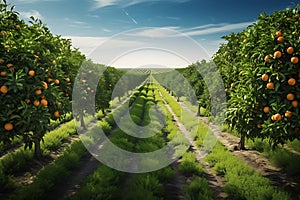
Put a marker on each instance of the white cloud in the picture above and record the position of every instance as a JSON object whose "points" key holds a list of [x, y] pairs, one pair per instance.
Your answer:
{"points": [[215, 28], [76, 24], [34, 13], [126, 3], [30, 1]]}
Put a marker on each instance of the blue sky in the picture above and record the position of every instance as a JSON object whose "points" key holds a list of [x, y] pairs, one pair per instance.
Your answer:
{"points": [[89, 23]]}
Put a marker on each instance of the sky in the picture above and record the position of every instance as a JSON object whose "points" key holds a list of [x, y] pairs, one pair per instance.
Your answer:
{"points": [[141, 33]]}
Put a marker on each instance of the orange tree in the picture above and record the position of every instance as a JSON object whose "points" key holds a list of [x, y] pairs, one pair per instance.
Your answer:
{"points": [[37, 71], [260, 67]]}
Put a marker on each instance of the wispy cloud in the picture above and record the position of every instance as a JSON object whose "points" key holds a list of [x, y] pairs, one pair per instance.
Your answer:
{"points": [[175, 31], [32, 13], [126, 3], [76, 24], [215, 28]]}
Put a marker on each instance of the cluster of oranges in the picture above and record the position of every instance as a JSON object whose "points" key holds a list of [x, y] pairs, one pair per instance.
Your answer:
{"points": [[290, 81]]}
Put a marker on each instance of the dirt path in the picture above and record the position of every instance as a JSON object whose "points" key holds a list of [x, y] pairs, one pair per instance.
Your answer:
{"points": [[254, 159], [216, 182]]}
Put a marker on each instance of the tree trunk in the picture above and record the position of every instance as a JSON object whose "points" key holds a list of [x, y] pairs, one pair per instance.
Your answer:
{"points": [[103, 111], [198, 112], [178, 99], [119, 98], [242, 143], [37, 149], [82, 124]]}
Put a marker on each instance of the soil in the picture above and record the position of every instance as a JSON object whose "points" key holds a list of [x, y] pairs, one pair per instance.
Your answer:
{"points": [[255, 159]]}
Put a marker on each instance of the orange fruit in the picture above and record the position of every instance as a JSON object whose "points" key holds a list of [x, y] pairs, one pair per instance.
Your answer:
{"points": [[266, 109], [295, 104], [31, 73], [3, 73], [49, 80], [232, 85], [297, 16], [265, 77], [280, 39], [38, 92], [7, 47], [36, 103], [278, 34], [288, 114], [8, 126], [292, 81], [277, 117], [83, 81], [259, 126], [44, 102], [53, 63], [18, 26], [1, 61], [56, 81], [9, 65], [277, 54], [295, 60], [226, 90], [270, 85], [56, 114], [68, 79], [27, 101], [48, 73], [290, 50], [4, 89], [267, 58], [45, 85], [290, 97]]}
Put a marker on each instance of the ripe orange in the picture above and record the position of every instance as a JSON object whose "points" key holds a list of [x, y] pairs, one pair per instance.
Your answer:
{"points": [[290, 97], [290, 50], [27, 101], [83, 81], [53, 63], [295, 60], [49, 80], [280, 39], [3, 73], [45, 85], [7, 47], [44, 102], [56, 114], [265, 77], [278, 34], [277, 117], [36, 103], [56, 81], [295, 104], [288, 114], [259, 126], [232, 85], [4, 89], [267, 59], [68, 79], [31, 73], [38, 92], [270, 85], [266, 109], [9, 65], [226, 90], [277, 54], [8, 126], [18, 26], [1, 61], [297, 16], [292, 81]]}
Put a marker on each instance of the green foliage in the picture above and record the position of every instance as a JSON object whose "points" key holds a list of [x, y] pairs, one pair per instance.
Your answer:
{"points": [[189, 165], [244, 59], [198, 189]]}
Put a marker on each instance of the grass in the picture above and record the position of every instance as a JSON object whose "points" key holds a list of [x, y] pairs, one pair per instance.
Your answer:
{"points": [[198, 189]]}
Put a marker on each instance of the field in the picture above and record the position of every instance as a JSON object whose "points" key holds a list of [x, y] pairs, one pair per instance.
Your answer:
{"points": [[66, 133]]}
